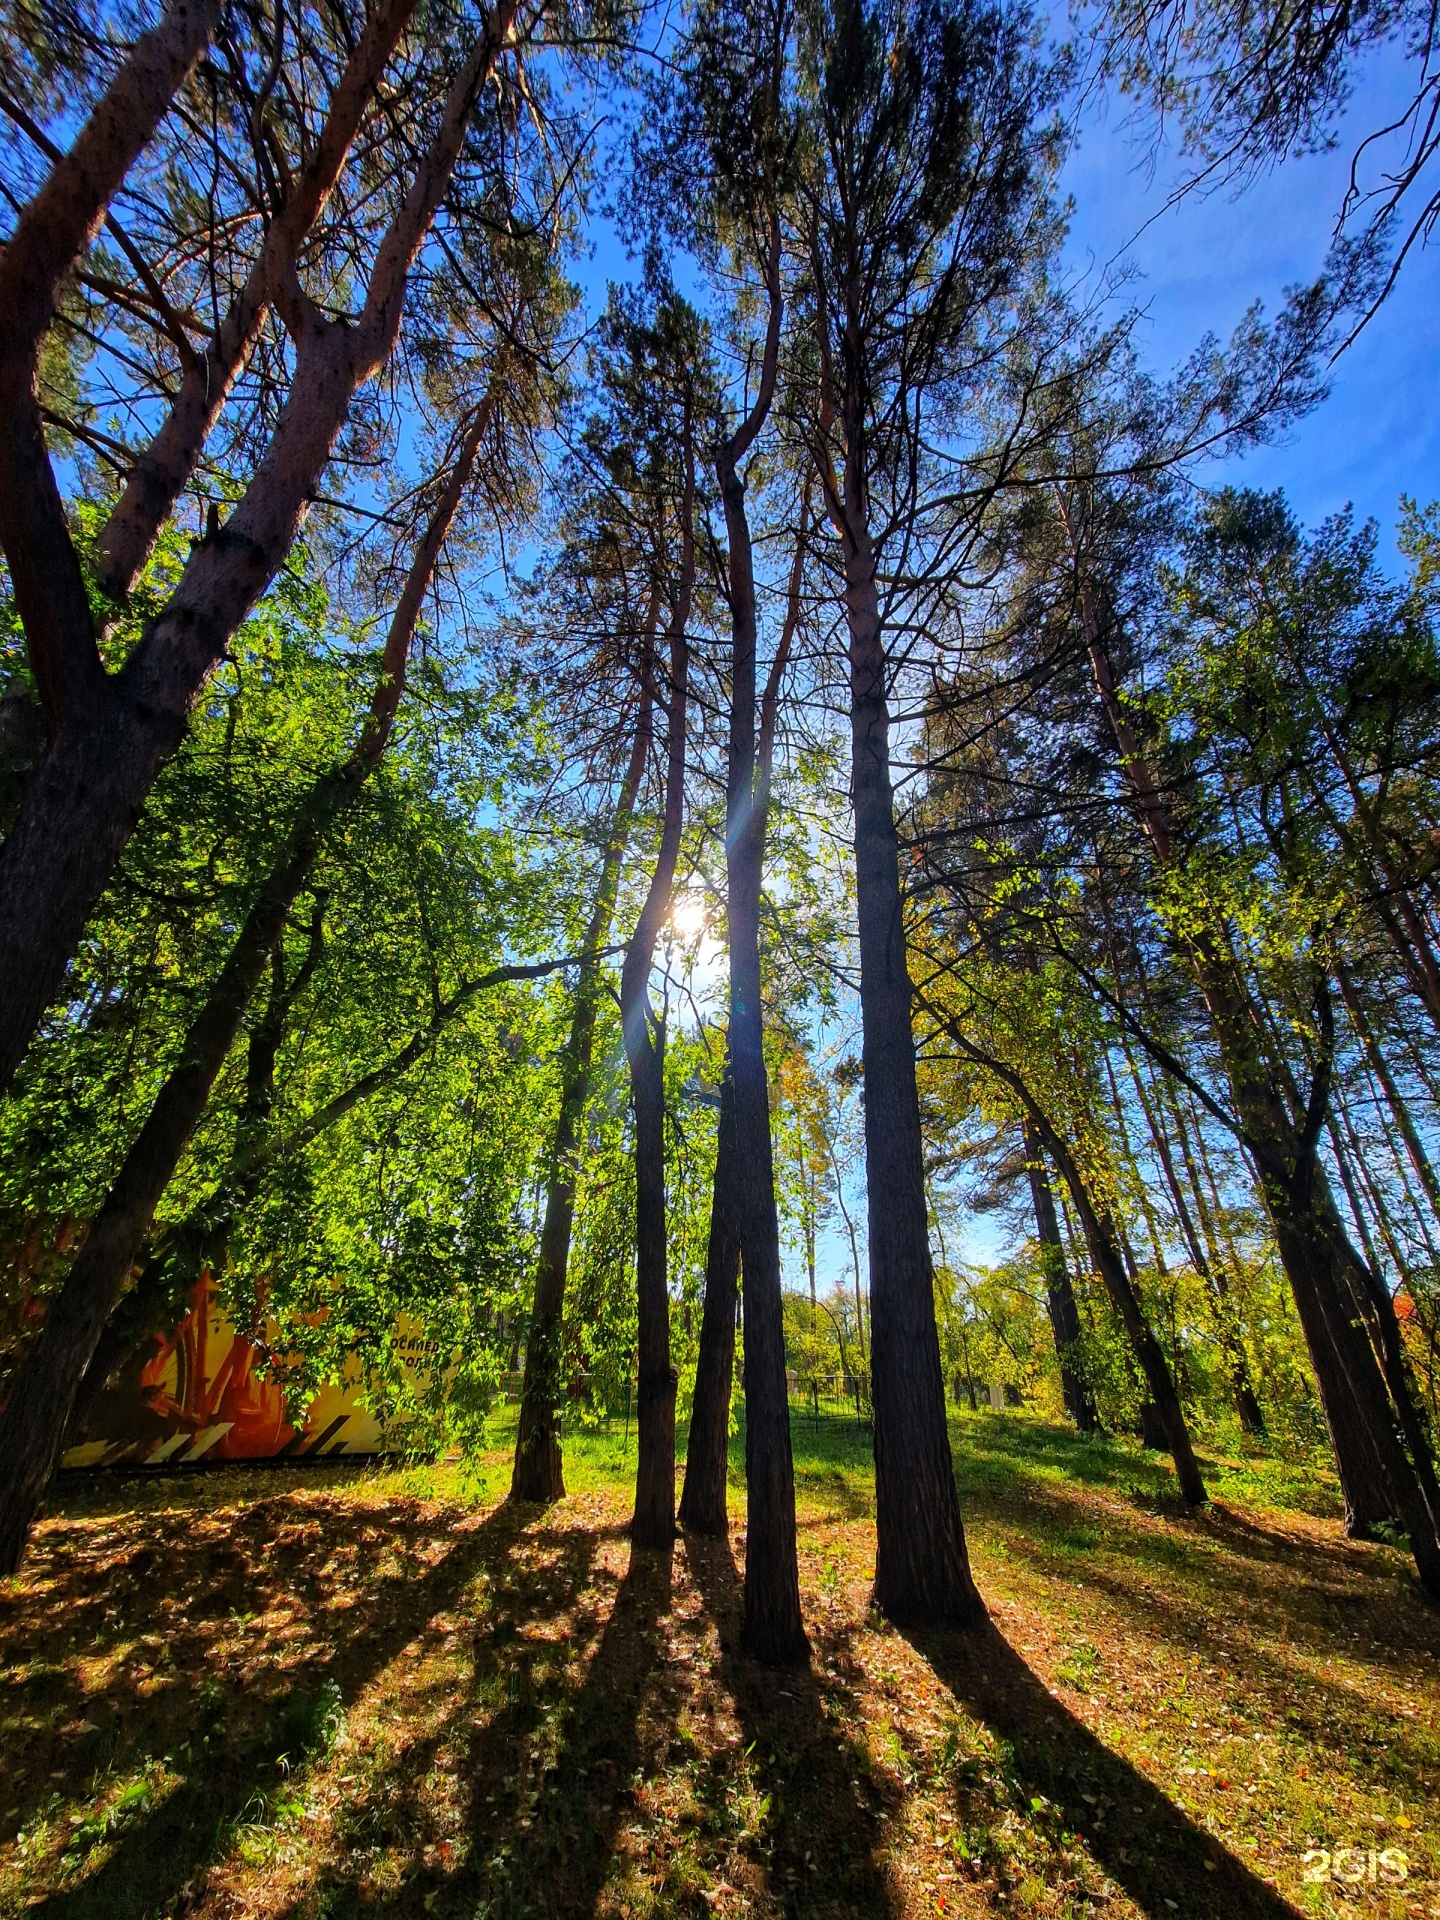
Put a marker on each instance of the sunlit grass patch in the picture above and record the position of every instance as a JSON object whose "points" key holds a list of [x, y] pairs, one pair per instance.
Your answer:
{"points": [[373, 1689]]}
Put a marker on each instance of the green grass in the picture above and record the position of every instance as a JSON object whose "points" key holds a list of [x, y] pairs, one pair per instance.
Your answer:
{"points": [[370, 1689], [997, 1456]]}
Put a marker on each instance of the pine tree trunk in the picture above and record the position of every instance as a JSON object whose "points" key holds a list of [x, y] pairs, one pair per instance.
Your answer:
{"points": [[773, 1630], [922, 1570], [162, 470], [111, 734], [654, 1521], [1369, 1499], [539, 1472], [1109, 1263], [707, 1453], [653, 1525], [1059, 1293], [1328, 1283], [1327, 1279]]}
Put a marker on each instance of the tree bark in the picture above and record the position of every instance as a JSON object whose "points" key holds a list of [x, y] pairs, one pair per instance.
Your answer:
{"points": [[654, 1520], [111, 734], [773, 1630], [539, 1472], [55, 228], [707, 1452], [922, 1569], [50, 235], [1110, 1265], [159, 474], [1059, 1293]]}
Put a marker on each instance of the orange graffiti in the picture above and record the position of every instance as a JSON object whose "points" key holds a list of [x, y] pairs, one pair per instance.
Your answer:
{"points": [[253, 1406]]}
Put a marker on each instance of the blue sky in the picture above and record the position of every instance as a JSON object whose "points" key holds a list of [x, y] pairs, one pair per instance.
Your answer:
{"points": [[1202, 263], [1196, 268]]}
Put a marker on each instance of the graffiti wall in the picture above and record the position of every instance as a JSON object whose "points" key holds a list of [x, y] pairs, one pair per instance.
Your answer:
{"points": [[196, 1395]]}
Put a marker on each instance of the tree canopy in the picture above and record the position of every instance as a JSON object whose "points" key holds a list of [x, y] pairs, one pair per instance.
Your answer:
{"points": [[591, 836]]}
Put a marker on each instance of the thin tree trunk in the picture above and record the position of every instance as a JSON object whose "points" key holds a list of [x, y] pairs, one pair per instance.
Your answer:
{"points": [[1059, 1294], [169, 1273], [1352, 1195], [848, 1218], [922, 1569], [1399, 1107], [653, 1525], [1079, 1255], [1212, 1274], [773, 1630], [1152, 1225], [1421, 1216], [539, 1469], [1109, 1263], [1369, 1186], [1209, 1204], [35, 1416], [707, 1452]]}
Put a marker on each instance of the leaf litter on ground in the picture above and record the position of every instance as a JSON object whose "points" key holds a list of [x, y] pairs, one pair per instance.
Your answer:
{"points": [[363, 1689]]}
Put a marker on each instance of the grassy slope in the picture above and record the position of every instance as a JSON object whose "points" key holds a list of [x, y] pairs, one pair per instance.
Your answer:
{"points": [[357, 1691]]}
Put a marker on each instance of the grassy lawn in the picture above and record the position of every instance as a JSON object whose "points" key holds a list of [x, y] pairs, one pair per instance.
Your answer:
{"points": [[356, 1690]]}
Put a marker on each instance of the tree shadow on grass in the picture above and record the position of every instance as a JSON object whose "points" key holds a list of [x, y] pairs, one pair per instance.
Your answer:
{"points": [[549, 1780], [1252, 1598], [826, 1813], [604, 1748], [1318, 1561], [126, 1638], [161, 1859], [1304, 1578], [1136, 1834]]}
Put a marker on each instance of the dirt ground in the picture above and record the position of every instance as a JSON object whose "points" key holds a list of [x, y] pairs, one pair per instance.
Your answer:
{"points": [[350, 1691]]}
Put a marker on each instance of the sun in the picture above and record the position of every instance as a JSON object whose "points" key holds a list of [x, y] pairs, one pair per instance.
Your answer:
{"points": [[689, 915]]}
